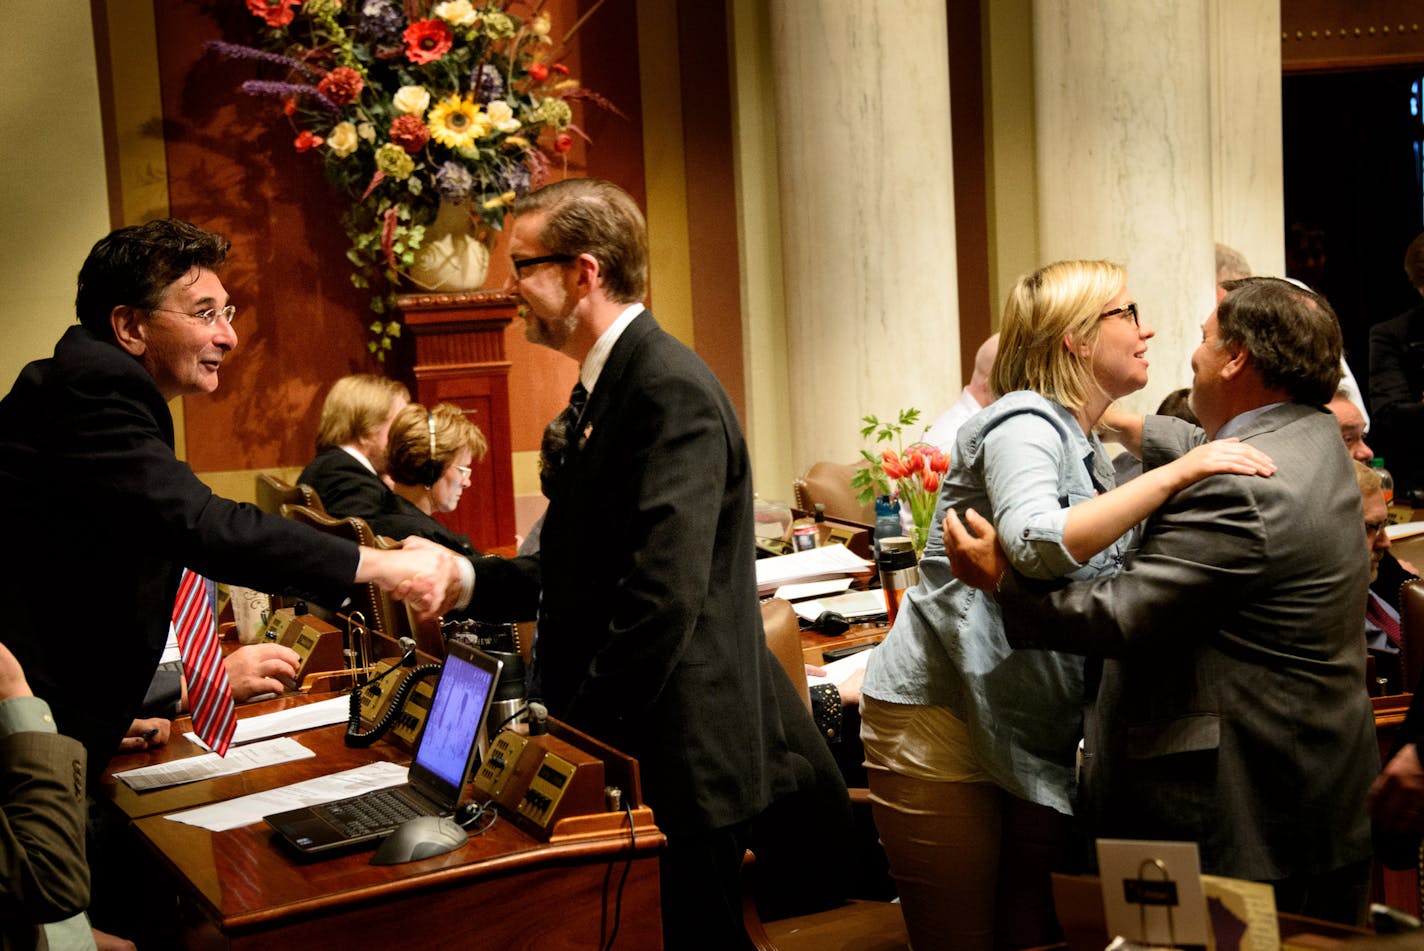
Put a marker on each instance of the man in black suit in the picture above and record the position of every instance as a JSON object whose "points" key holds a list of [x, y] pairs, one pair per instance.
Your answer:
{"points": [[649, 631], [1397, 386], [109, 516], [351, 444]]}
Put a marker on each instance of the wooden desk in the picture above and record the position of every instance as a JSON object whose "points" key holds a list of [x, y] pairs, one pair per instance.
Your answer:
{"points": [[241, 889], [814, 642], [333, 758]]}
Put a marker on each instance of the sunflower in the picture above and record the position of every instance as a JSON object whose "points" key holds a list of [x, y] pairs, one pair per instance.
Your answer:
{"points": [[456, 122]]}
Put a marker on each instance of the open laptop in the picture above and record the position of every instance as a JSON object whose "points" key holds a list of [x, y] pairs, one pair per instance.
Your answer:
{"points": [[443, 757]]}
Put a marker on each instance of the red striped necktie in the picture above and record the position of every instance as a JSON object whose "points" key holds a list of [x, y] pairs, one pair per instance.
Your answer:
{"points": [[209, 695]]}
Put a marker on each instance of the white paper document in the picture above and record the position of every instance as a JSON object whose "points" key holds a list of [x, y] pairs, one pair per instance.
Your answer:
{"points": [[170, 647], [208, 765], [308, 716], [839, 671], [814, 564], [245, 810], [853, 605], [812, 589]]}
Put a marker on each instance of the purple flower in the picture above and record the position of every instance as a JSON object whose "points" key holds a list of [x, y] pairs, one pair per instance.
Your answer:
{"points": [[453, 182], [267, 87], [238, 51], [487, 83], [514, 178], [381, 20]]}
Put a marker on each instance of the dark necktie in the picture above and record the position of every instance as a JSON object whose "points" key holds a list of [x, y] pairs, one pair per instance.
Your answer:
{"points": [[209, 694], [553, 448]]}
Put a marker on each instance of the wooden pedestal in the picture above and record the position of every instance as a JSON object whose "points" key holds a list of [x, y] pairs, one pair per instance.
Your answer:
{"points": [[459, 358]]}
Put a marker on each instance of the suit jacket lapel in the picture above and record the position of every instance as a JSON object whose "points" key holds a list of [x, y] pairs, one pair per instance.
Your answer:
{"points": [[608, 380]]}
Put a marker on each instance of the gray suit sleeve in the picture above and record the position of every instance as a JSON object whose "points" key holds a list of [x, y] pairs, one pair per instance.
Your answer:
{"points": [[1200, 553]]}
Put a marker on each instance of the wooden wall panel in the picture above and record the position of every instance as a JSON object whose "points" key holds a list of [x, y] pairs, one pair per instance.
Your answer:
{"points": [[1330, 34]]}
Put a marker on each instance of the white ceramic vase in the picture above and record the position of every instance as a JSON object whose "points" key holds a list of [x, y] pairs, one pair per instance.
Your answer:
{"points": [[452, 257]]}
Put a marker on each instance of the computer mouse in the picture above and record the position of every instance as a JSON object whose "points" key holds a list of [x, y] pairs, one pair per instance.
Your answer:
{"points": [[420, 838]]}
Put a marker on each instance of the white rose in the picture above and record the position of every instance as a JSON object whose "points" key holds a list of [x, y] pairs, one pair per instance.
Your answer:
{"points": [[456, 12], [412, 100], [502, 117], [342, 139], [539, 26]]}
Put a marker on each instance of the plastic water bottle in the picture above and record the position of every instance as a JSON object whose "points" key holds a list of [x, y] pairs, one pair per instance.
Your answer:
{"points": [[887, 519], [1386, 480]]}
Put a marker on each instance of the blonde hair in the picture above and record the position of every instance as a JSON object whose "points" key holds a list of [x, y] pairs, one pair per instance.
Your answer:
{"points": [[409, 446], [354, 406], [1059, 300]]}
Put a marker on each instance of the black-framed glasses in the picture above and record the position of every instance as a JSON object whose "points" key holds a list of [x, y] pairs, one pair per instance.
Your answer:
{"points": [[521, 263], [1128, 312], [208, 317]]}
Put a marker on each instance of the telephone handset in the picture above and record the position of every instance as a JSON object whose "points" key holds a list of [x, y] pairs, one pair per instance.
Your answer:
{"points": [[386, 706]]}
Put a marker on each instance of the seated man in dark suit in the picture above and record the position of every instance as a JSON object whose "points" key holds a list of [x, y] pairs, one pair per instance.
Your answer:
{"points": [[429, 455], [351, 444]]}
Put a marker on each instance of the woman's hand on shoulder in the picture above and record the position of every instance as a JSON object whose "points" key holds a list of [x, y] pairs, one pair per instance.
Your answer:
{"points": [[1230, 456]]}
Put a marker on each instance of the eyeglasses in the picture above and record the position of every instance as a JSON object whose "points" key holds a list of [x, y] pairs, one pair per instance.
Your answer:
{"points": [[1375, 529], [521, 263], [463, 470], [1126, 313], [208, 317]]}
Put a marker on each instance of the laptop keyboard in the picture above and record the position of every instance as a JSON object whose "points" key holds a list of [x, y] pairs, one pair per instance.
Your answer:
{"points": [[373, 813]]}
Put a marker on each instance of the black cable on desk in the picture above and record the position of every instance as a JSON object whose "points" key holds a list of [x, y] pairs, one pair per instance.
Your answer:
{"points": [[623, 880]]}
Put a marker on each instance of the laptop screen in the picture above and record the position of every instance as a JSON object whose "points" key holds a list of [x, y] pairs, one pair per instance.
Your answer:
{"points": [[456, 717]]}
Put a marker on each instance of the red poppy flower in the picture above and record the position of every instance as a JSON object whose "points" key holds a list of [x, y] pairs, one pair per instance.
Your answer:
{"points": [[289, 106], [539, 71], [274, 12], [409, 133], [560, 68], [342, 85], [426, 41], [563, 142], [307, 141]]}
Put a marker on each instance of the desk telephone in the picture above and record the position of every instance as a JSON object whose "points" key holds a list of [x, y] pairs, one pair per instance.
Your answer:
{"points": [[540, 779], [397, 705], [317, 643]]}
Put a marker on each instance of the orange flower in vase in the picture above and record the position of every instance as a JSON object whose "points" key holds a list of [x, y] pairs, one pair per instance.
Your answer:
{"points": [[910, 473]]}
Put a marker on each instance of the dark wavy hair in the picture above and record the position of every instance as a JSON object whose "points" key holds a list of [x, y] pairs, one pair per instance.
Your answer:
{"points": [[133, 265], [1290, 332]]}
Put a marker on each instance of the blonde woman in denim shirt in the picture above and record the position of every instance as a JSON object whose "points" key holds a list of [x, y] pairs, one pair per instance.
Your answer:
{"points": [[970, 746]]}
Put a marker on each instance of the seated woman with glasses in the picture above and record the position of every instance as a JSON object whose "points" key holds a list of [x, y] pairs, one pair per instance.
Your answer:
{"points": [[969, 745], [429, 455]]}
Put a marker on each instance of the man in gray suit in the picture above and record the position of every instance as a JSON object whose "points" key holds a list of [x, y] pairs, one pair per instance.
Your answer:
{"points": [[1232, 709]]}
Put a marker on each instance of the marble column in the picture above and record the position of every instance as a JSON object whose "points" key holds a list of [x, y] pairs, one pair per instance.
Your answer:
{"points": [[867, 216], [1124, 163]]}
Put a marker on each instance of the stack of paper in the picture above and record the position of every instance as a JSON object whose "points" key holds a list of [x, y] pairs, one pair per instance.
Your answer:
{"points": [[815, 564]]}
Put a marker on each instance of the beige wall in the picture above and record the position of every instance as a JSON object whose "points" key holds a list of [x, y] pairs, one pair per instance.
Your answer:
{"points": [[53, 200]]}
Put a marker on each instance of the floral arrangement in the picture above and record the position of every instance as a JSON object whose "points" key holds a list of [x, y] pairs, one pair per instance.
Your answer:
{"points": [[910, 473], [411, 103]]}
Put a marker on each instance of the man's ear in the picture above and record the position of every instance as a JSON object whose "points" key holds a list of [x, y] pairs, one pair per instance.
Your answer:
{"points": [[1239, 358], [589, 272], [127, 324]]}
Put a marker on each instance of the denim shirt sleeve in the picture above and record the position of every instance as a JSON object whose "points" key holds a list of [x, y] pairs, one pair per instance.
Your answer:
{"points": [[1033, 473]]}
